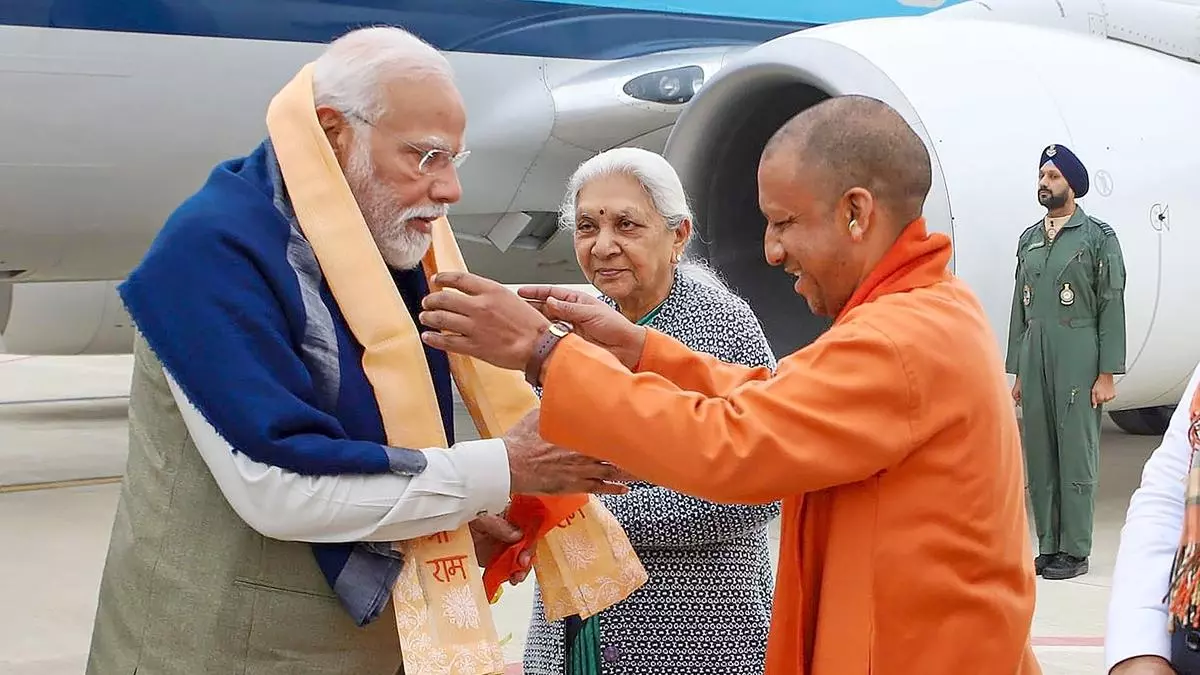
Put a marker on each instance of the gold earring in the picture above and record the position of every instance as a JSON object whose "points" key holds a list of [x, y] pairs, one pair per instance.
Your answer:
{"points": [[853, 224], [674, 258]]}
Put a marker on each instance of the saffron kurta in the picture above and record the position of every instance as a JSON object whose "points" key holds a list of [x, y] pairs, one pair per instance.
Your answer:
{"points": [[892, 439]]}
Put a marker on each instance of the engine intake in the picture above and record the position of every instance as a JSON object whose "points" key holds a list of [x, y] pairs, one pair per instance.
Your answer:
{"points": [[720, 174], [986, 97], [64, 319]]}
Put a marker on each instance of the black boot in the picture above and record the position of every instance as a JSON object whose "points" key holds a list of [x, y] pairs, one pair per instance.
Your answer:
{"points": [[1043, 561], [1065, 567]]}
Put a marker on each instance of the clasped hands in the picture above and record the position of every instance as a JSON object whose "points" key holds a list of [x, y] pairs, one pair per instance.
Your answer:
{"points": [[481, 318]]}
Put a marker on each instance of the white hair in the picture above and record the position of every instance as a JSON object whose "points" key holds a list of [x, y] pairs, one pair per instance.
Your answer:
{"points": [[350, 75], [656, 176], [660, 181]]}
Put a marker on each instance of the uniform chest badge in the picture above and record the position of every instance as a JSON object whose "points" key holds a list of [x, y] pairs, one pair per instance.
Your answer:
{"points": [[1066, 296], [1025, 295]]}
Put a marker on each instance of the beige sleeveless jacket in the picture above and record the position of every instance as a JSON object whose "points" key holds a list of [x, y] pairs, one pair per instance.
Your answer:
{"points": [[190, 588]]}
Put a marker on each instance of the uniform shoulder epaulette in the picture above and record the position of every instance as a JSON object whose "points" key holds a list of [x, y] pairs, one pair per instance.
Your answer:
{"points": [[1104, 227]]}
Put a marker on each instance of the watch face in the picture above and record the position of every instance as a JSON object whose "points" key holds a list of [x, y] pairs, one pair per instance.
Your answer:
{"points": [[559, 329]]}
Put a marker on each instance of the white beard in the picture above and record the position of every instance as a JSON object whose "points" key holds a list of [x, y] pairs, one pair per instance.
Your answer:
{"points": [[401, 245]]}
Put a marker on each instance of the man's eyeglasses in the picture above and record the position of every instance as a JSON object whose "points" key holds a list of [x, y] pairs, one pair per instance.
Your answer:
{"points": [[433, 160]]}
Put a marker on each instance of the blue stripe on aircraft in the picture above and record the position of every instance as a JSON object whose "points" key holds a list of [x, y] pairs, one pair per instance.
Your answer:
{"points": [[568, 29], [797, 11]]}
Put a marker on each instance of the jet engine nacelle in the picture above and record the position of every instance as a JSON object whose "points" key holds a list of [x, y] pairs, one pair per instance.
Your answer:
{"points": [[986, 97], [63, 319]]}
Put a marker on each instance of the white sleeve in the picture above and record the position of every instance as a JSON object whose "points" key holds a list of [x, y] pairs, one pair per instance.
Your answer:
{"points": [[1137, 610], [457, 486]]}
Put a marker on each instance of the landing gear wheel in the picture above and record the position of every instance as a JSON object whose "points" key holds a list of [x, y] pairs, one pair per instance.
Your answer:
{"points": [[1144, 421]]}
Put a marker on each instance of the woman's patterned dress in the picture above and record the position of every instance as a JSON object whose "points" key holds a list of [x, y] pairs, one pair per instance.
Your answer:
{"points": [[706, 608]]}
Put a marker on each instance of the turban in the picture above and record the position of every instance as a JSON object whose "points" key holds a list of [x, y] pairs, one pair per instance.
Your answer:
{"points": [[1072, 169]]}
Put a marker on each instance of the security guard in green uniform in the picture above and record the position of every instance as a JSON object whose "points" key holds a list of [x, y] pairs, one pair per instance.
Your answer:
{"points": [[1066, 341]]}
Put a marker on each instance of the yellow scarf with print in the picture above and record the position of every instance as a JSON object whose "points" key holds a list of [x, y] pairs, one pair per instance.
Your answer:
{"points": [[442, 615]]}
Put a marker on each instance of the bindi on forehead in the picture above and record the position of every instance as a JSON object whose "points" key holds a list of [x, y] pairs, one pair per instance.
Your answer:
{"points": [[608, 212]]}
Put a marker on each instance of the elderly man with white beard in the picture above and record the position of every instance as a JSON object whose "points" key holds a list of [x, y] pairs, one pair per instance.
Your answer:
{"points": [[261, 497]]}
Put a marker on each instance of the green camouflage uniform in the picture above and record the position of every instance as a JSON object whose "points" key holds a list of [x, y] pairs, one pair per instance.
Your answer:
{"points": [[1067, 327]]}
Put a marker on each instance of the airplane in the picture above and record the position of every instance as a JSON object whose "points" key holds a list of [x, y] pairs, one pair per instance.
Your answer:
{"points": [[117, 111]]}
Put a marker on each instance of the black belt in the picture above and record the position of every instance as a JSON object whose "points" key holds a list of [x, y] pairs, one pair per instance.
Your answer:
{"points": [[1185, 650], [1069, 323]]}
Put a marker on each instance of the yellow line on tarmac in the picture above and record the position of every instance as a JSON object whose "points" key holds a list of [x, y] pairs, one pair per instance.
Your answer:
{"points": [[59, 484]]}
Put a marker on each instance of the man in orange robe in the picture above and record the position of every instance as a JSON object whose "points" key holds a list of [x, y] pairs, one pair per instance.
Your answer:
{"points": [[891, 438]]}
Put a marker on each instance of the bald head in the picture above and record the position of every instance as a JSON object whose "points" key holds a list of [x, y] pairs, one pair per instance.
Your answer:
{"points": [[857, 141], [838, 184]]}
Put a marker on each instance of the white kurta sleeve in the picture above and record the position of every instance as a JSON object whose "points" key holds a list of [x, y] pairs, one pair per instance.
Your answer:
{"points": [[1137, 611], [457, 485]]}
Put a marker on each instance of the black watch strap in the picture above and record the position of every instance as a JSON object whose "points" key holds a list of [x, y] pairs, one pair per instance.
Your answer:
{"points": [[545, 344]]}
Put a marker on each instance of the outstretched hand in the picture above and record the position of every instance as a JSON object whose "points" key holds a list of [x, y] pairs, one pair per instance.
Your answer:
{"points": [[476, 316], [593, 320]]}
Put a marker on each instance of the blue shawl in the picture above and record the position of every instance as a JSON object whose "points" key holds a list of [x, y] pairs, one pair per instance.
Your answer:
{"points": [[232, 301]]}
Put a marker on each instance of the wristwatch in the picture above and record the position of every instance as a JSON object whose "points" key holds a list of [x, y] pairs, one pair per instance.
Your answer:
{"points": [[542, 348]]}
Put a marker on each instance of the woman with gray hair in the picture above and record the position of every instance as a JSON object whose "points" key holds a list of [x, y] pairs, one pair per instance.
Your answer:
{"points": [[707, 605]]}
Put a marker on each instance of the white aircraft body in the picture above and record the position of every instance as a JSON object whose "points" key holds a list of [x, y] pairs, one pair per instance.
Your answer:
{"points": [[115, 112]]}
